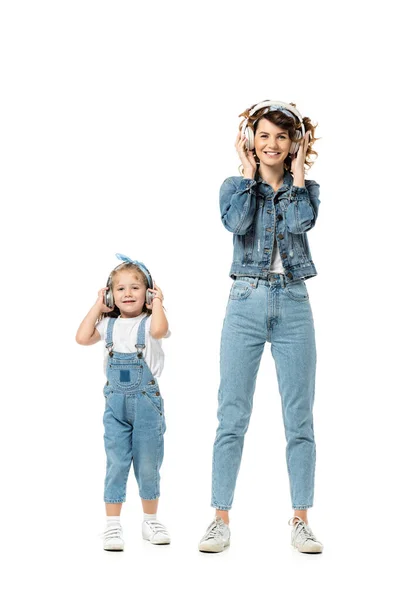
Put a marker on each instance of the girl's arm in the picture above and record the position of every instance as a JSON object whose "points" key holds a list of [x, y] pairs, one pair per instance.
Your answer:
{"points": [[87, 333], [159, 323]]}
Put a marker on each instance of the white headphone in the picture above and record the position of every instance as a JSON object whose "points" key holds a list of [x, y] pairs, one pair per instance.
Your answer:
{"points": [[271, 105]]}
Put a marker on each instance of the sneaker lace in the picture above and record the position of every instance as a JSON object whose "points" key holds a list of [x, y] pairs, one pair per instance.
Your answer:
{"points": [[157, 527], [215, 528], [302, 530]]}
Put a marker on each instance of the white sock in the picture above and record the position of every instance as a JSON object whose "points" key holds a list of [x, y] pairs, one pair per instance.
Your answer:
{"points": [[112, 520], [147, 517]]}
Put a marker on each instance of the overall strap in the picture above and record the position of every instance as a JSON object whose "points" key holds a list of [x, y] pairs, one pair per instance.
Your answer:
{"points": [[109, 335], [140, 345]]}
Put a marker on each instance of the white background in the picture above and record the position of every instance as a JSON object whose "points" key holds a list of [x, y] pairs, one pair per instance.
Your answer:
{"points": [[118, 122]]}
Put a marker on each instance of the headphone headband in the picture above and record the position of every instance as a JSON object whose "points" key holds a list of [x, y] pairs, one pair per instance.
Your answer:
{"points": [[276, 105]]}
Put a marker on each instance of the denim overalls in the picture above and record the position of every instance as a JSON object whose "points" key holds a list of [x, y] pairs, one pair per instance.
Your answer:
{"points": [[134, 422]]}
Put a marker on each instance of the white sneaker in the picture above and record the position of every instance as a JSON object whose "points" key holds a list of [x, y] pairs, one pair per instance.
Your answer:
{"points": [[154, 532], [112, 538], [216, 538], [303, 538]]}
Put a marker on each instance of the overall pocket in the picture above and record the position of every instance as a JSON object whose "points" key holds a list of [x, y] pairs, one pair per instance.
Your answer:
{"points": [[124, 377], [155, 400]]}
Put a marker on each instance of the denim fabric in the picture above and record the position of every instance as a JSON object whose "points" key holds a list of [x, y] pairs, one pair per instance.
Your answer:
{"points": [[134, 422], [254, 213], [276, 311]]}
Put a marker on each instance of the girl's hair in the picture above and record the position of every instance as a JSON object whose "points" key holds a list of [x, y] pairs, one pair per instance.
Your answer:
{"points": [[280, 119], [141, 276]]}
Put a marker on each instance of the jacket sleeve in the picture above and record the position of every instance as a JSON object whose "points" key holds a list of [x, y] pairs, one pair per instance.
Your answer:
{"points": [[238, 204], [302, 212]]}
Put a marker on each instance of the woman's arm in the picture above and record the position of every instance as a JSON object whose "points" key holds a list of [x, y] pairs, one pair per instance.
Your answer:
{"points": [[87, 333], [238, 204], [302, 212]]}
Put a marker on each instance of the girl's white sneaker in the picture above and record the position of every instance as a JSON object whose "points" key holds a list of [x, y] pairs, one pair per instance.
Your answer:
{"points": [[154, 532], [303, 538], [112, 538]]}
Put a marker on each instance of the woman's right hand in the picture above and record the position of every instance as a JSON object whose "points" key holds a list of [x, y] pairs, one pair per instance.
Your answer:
{"points": [[246, 156], [100, 301]]}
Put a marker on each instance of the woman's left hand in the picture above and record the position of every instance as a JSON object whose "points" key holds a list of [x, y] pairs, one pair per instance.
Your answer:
{"points": [[298, 160]]}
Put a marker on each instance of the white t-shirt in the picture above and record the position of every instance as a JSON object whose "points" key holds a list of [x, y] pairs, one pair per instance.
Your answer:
{"points": [[276, 261], [125, 337]]}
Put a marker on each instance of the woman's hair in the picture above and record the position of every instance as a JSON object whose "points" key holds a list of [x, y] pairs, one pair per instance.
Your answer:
{"points": [[141, 276], [280, 119]]}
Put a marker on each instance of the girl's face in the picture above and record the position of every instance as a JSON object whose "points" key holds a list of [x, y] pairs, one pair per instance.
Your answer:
{"points": [[271, 143], [129, 293]]}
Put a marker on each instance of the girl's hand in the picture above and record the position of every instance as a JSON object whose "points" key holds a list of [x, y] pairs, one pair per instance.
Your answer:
{"points": [[100, 301], [246, 156], [157, 294], [298, 160]]}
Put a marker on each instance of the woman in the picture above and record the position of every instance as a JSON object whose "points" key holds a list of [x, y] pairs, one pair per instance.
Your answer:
{"points": [[269, 210]]}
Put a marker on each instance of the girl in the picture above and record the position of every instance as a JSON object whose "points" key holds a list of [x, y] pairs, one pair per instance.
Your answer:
{"points": [[134, 422], [269, 210]]}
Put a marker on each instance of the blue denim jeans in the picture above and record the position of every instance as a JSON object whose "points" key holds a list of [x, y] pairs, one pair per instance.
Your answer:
{"points": [[134, 423], [276, 311]]}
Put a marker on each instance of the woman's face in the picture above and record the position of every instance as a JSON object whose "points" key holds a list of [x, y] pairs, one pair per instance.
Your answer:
{"points": [[271, 143], [129, 293]]}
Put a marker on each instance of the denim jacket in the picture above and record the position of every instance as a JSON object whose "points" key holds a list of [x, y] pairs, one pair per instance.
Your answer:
{"points": [[254, 213]]}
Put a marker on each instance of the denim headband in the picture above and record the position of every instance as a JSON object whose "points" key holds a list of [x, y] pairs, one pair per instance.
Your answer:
{"points": [[281, 109], [142, 267]]}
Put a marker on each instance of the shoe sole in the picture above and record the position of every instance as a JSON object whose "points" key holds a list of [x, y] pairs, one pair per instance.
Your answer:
{"points": [[157, 543], [308, 552], [211, 550], [114, 549]]}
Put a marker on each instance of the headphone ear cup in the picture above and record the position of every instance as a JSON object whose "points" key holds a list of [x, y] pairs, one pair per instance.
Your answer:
{"points": [[149, 297], [109, 299], [249, 134], [295, 145], [108, 295]]}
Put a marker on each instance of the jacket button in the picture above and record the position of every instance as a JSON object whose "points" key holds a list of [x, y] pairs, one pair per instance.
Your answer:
{"points": [[269, 228], [157, 393], [280, 217], [266, 250], [284, 255], [290, 275], [152, 382], [281, 236]]}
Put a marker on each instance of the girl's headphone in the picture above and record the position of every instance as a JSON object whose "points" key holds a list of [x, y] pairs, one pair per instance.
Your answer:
{"points": [[271, 105], [109, 296]]}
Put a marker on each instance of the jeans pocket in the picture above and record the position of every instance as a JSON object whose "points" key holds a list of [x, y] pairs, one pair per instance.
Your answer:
{"points": [[240, 290], [297, 291]]}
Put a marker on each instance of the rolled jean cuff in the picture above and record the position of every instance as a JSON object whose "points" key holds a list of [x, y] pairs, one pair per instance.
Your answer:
{"points": [[219, 507], [302, 507], [150, 499], [108, 501]]}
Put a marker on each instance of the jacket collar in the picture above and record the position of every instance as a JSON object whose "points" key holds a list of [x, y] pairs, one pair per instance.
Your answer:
{"points": [[287, 180]]}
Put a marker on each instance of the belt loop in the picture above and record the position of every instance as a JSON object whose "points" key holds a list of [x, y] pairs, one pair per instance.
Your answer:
{"points": [[255, 284], [283, 280]]}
